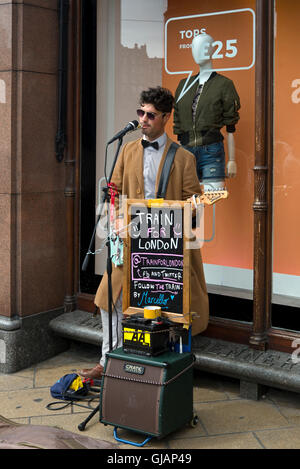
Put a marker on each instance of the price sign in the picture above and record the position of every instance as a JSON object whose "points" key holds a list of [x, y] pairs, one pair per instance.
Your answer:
{"points": [[233, 31]]}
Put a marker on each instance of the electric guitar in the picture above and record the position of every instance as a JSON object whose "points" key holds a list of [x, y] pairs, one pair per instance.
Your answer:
{"points": [[209, 197]]}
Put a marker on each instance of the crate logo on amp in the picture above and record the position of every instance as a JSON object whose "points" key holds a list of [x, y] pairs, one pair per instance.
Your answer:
{"points": [[135, 369]]}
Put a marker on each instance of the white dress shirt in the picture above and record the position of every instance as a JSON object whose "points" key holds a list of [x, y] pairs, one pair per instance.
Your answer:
{"points": [[152, 159]]}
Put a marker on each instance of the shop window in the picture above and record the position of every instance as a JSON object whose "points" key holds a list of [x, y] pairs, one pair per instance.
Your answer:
{"points": [[142, 44], [286, 257]]}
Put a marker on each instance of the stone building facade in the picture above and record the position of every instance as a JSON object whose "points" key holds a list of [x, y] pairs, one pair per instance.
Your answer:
{"points": [[32, 181]]}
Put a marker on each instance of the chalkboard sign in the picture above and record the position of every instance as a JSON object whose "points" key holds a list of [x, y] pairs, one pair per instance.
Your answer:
{"points": [[156, 261]]}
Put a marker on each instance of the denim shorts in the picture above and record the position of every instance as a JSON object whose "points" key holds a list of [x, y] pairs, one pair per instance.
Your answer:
{"points": [[210, 161]]}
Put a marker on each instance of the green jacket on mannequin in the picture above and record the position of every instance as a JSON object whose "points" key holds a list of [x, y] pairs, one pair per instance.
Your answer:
{"points": [[217, 107]]}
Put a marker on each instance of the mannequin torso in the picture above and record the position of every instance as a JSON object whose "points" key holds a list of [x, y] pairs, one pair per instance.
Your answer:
{"points": [[221, 90]]}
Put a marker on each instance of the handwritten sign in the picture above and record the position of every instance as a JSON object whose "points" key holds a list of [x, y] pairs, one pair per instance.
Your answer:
{"points": [[156, 260]]}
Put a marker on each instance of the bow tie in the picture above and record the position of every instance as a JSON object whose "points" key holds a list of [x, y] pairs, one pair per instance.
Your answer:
{"points": [[146, 144]]}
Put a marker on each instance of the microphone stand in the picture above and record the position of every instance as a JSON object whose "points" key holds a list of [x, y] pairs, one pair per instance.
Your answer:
{"points": [[105, 198]]}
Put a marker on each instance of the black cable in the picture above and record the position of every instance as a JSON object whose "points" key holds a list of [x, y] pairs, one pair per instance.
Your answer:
{"points": [[63, 404]]}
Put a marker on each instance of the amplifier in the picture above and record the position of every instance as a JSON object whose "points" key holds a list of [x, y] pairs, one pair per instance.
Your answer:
{"points": [[149, 395]]}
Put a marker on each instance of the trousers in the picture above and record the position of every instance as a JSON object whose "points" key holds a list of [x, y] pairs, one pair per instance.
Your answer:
{"points": [[117, 338], [210, 161]]}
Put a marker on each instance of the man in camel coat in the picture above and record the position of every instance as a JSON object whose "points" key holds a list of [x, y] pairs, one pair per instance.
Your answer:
{"points": [[136, 175]]}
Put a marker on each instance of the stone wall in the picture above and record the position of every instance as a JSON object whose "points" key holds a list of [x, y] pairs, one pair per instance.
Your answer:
{"points": [[32, 205]]}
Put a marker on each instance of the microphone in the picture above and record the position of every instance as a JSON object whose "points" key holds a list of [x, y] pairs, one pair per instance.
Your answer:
{"points": [[130, 127]]}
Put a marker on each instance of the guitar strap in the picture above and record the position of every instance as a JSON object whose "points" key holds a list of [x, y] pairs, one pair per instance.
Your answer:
{"points": [[165, 173]]}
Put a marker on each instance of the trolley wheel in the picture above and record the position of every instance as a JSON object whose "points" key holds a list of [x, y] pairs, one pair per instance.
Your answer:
{"points": [[194, 421]]}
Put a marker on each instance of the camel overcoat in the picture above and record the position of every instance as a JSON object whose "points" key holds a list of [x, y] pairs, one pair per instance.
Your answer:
{"points": [[183, 183]]}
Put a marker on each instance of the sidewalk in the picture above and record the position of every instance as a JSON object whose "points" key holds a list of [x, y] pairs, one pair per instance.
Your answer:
{"points": [[225, 420]]}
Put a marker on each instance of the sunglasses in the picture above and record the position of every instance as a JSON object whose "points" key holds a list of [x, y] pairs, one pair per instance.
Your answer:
{"points": [[150, 115]]}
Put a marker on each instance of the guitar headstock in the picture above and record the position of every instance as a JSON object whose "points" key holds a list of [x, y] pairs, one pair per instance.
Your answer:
{"points": [[209, 197]]}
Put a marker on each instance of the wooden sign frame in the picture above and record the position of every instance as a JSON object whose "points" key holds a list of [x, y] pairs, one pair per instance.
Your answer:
{"points": [[184, 317]]}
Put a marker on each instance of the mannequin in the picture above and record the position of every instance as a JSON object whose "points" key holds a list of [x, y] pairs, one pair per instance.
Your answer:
{"points": [[203, 106]]}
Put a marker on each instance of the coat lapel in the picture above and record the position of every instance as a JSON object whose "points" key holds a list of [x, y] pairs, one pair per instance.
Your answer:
{"points": [[138, 164]]}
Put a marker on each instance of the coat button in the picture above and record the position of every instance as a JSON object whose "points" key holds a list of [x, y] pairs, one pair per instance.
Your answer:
{"points": [[138, 191]]}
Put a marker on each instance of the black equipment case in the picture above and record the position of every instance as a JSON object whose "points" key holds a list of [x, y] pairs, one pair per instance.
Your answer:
{"points": [[149, 395], [145, 336]]}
